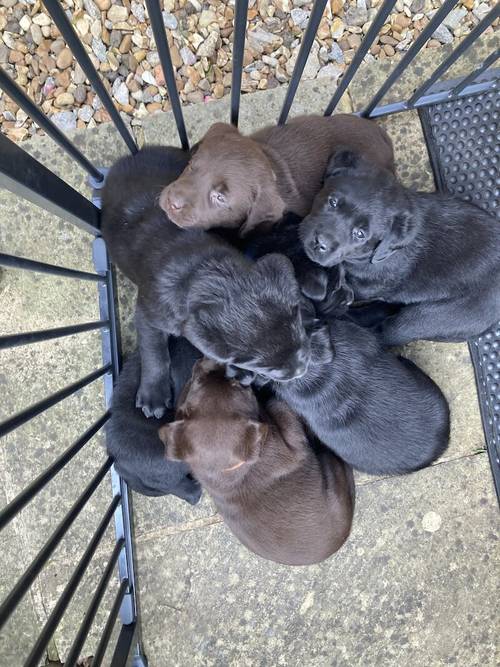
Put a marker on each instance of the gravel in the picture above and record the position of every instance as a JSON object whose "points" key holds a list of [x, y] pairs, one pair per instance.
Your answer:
{"points": [[120, 44]]}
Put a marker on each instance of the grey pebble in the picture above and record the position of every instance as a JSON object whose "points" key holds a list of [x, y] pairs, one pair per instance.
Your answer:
{"points": [[65, 120]]}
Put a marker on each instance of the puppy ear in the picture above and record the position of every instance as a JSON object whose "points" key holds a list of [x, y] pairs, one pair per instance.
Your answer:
{"points": [[254, 435], [275, 264], [173, 437], [400, 235], [279, 270], [220, 129], [267, 206], [341, 159]]}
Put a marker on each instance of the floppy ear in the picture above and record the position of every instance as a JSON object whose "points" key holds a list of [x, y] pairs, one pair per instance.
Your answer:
{"points": [[176, 445], [267, 206], [400, 235], [341, 159], [220, 129], [279, 269], [254, 435]]}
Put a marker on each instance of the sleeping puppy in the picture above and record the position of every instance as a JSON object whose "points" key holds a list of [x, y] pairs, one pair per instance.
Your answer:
{"points": [[193, 284], [436, 255], [241, 182], [284, 499], [381, 414], [132, 440]]}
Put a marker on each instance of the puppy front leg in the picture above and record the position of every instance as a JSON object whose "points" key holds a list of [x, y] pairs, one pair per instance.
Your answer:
{"points": [[313, 282], [155, 391]]}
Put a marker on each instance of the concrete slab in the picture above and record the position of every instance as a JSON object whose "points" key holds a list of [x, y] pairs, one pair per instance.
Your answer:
{"points": [[31, 302], [258, 109], [23, 627], [415, 585]]}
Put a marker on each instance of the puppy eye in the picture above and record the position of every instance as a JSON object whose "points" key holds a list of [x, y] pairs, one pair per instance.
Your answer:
{"points": [[358, 234], [333, 202], [217, 197]]}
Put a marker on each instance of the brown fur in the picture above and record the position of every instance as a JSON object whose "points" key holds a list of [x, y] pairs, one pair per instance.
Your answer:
{"points": [[259, 177], [284, 499]]}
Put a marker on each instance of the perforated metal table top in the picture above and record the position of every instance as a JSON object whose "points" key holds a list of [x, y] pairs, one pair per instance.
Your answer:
{"points": [[464, 146]]}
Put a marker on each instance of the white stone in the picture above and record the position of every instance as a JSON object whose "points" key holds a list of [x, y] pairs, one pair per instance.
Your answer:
{"points": [[300, 17], [481, 10], [312, 65], [335, 53], [208, 47], [188, 57], [443, 35], [120, 91], [85, 113], [25, 22], [330, 71], [148, 78], [82, 26], [169, 21], [431, 522], [206, 18], [117, 13], [455, 17], [65, 120], [138, 11], [92, 9], [42, 19]]}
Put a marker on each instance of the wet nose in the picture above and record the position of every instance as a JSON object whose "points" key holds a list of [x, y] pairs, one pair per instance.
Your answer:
{"points": [[176, 201], [321, 243]]}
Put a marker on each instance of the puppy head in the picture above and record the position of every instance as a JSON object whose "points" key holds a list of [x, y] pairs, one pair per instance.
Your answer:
{"points": [[252, 319], [217, 428], [360, 215], [229, 182]]}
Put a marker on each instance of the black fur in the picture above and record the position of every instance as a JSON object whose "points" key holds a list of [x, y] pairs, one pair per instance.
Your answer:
{"points": [[379, 413], [132, 439], [194, 284], [315, 282], [435, 254]]}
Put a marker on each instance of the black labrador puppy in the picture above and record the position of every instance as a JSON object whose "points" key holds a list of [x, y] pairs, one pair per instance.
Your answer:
{"points": [[315, 282], [378, 412], [193, 284], [132, 439], [436, 255]]}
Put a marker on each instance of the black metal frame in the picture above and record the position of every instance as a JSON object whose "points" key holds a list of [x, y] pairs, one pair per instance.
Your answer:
{"points": [[26, 177]]}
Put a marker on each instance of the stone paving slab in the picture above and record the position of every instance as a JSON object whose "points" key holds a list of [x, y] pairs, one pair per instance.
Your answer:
{"points": [[32, 302], [416, 584]]}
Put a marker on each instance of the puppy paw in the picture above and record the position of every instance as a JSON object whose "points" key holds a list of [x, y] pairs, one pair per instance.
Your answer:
{"points": [[314, 284], [154, 399]]}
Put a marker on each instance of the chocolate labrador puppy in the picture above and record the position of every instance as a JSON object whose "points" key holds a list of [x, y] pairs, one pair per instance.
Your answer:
{"points": [[436, 255], [379, 413], [195, 285], [284, 499], [132, 439], [241, 182]]}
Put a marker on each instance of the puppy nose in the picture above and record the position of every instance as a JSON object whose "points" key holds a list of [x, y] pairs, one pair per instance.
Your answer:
{"points": [[175, 201], [320, 242]]}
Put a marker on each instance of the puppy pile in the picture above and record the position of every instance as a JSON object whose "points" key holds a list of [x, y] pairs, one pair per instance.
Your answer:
{"points": [[289, 260]]}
